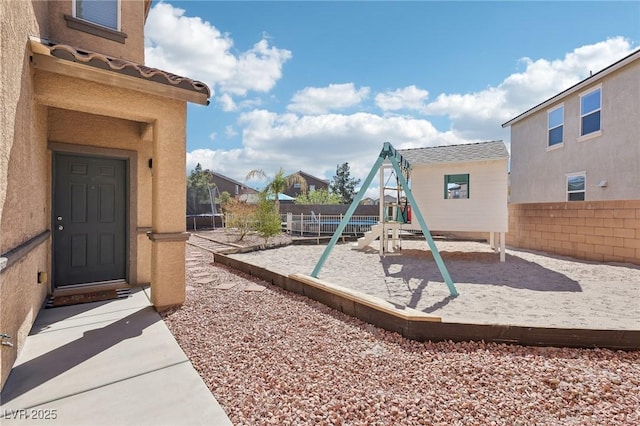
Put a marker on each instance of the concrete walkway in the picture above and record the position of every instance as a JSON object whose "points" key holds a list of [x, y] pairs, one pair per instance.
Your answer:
{"points": [[106, 363]]}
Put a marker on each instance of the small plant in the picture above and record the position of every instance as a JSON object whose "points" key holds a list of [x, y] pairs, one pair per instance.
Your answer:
{"points": [[240, 216], [268, 223]]}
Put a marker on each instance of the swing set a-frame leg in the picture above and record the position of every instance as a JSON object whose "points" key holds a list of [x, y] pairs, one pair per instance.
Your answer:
{"points": [[415, 211], [388, 152]]}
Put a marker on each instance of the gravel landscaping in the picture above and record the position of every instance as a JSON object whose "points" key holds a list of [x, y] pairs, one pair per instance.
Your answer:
{"points": [[272, 357]]}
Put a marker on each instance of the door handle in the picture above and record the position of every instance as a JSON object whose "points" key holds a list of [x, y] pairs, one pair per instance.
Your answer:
{"points": [[60, 227]]}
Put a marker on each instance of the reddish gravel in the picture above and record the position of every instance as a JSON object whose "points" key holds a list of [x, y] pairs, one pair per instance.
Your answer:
{"points": [[273, 357]]}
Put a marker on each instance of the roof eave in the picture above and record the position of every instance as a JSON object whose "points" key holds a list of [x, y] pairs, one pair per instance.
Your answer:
{"points": [[577, 87], [43, 59]]}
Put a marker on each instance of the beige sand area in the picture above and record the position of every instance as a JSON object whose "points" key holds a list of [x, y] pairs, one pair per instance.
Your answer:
{"points": [[529, 289]]}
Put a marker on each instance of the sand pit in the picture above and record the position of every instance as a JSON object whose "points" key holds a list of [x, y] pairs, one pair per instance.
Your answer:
{"points": [[529, 289]]}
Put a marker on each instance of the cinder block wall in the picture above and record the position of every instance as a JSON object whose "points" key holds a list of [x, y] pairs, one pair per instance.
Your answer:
{"points": [[605, 231]]}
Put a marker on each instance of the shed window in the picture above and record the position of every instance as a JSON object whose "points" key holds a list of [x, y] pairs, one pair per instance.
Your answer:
{"points": [[456, 186], [101, 12], [576, 186]]}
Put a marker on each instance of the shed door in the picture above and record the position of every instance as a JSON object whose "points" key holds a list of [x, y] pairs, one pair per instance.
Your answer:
{"points": [[89, 220]]}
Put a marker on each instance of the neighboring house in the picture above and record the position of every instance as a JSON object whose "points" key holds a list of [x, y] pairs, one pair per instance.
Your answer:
{"points": [[313, 184], [92, 160], [575, 168], [461, 188], [233, 187], [368, 201]]}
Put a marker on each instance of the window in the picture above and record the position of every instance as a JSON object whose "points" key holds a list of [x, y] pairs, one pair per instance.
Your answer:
{"points": [[101, 12], [590, 104], [456, 186], [296, 185], [312, 188], [576, 186], [556, 126], [237, 189]]}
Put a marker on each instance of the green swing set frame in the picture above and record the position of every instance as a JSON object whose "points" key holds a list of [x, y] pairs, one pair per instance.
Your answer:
{"points": [[399, 165]]}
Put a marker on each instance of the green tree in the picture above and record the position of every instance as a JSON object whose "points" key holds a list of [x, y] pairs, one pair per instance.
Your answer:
{"points": [[279, 183], [268, 222], [223, 200], [199, 186], [319, 196], [343, 184]]}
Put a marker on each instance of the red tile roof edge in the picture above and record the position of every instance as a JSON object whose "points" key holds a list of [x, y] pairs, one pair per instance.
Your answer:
{"points": [[122, 66]]}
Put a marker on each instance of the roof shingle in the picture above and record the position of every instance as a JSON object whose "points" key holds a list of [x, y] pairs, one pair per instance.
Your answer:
{"points": [[492, 150]]}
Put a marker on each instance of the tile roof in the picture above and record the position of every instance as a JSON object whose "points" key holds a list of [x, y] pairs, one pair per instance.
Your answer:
{"points": [[492, 150], [125, 67]]}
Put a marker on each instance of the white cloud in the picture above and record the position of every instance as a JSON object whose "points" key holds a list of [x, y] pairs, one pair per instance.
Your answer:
{"points": [[409, 97], [321, 100], [318, 143], [479, 114], [212, 136], [195, 48], [230, 132], [227, 103]]}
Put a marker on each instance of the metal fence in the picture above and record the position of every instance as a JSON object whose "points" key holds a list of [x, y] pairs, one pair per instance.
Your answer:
{"points": [[320, 224]]}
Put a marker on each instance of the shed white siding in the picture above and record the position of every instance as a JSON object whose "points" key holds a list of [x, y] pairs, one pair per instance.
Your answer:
{"points": [[484, 211]]}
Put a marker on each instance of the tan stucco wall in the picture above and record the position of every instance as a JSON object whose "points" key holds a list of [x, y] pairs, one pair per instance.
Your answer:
{"points": [[538, 174], [132, 23], [40, 110], [167, 121], [23, 171], [119, 137], [485, 209]]}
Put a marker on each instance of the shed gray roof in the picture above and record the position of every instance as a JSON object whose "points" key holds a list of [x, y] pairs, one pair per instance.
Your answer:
{"points": [[493, 150]]}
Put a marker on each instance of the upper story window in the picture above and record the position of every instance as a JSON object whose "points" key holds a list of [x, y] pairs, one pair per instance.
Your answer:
{"points": [[100, 12], [237, 189], [590, 107], [312, 187], [576, 184], [456, 186], [556, 126]]}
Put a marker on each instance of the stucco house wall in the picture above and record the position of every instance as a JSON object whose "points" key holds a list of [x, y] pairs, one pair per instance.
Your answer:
{"points": [[538, 173], [54, 101], [603, 227], [484, 211], [23, 168], [132, 20]]}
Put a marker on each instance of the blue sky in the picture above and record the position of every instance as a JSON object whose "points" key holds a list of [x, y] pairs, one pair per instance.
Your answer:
{"points": [[308, 85]]}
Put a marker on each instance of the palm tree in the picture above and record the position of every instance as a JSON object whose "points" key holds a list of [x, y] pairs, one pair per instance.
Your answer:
{"points": [[279, 183]]}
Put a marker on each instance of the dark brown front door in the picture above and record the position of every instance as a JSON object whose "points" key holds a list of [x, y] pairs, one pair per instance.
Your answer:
{"points": [[89, 219]]}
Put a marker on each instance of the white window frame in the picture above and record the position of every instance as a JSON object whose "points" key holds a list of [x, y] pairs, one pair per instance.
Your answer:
{"points": [[549, 128], [598, 132], [118, 9], [566, 185]]}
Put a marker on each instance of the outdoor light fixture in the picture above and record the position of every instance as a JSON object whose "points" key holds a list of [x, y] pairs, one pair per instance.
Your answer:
{"points": [[603, 184]]}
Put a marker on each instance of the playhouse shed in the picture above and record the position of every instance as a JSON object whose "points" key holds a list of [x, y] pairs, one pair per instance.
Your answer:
{"points": [[462, 188]]}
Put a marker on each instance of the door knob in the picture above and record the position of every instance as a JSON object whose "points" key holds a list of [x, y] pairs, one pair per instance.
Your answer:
{"points": [[60, 227], [59, 217]]}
